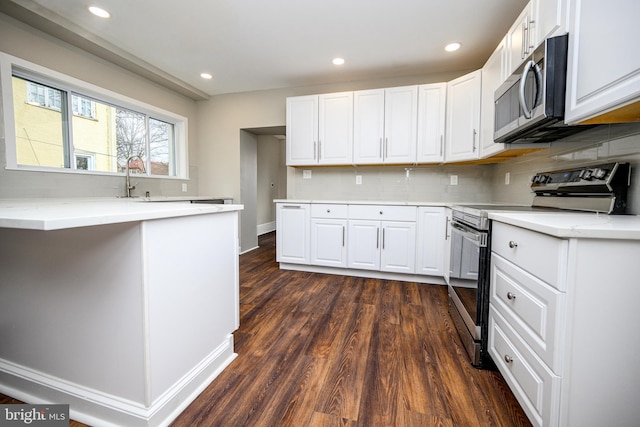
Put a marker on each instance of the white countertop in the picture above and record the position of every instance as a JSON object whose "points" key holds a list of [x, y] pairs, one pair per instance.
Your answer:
{"points": [[366, 202], [579, 225], [56, 214]]}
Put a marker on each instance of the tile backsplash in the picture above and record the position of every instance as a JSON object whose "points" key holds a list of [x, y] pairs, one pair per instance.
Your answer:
{"points": [[475, 183]]}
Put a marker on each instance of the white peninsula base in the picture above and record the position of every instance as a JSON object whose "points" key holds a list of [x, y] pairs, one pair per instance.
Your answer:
{"points": [[126, 322]]}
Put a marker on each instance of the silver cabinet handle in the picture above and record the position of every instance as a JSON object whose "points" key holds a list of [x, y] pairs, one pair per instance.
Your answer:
{"points": [[508, 358], [522, 52], [475, 132], [531, 34], [292, 207], [386, 147], [343, 233], [315, 150], [377, 238], [511, 295], [381, 147], [513, 244], [319, 149], [446, 229], [383, 239], [441, 144]]}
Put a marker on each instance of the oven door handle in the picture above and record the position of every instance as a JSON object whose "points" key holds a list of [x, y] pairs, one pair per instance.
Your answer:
{"points": [[476, 236]]}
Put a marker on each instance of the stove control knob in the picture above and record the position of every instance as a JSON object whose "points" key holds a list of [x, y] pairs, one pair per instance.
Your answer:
{"points": [[587, 174], [599, 173]]}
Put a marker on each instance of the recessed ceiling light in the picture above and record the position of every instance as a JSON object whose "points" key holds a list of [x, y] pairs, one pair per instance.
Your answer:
{"points": [[338, 61], [206, 76], [98, 11], [451, 47]]}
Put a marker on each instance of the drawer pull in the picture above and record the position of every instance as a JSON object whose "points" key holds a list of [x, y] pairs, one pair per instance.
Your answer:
{"points": [[512, 244], [508, 358], [381, 212], [328, 210], [511, 295]]}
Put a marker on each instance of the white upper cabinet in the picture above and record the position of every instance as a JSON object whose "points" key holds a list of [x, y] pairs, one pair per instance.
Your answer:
{"points": [[604, 65], [519, 43], [335, 129], [463, 117], [385, 125], [431, 122], [548, 19], [302, 130], [494, 73], [368, 126], [320, 129], [400, 124]]}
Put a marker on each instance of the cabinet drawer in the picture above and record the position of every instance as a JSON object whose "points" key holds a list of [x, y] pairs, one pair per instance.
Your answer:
{"points": [[323, 210], [533, 309], [383, 212], [535, 387], [539, 254]]}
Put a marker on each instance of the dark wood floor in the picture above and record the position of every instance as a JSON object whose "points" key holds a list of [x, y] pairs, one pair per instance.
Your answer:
{"points": [[324, 350]]}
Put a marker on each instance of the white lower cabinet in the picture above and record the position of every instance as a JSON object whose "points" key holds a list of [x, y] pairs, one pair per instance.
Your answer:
{"points": [[386, 245], [559, 309], [292, 233], [432, 229], [383, 238], [329, 235]]}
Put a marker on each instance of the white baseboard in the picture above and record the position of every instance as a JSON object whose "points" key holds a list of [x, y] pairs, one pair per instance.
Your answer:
{"points": [[97, 408], [266, 228], [432, 280]]}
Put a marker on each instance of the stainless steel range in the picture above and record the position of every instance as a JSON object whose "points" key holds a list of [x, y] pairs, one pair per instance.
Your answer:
{"points": [[601, 188]]}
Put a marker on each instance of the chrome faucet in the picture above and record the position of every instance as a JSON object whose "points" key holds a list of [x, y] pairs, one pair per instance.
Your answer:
{"points": [[128, 186]]}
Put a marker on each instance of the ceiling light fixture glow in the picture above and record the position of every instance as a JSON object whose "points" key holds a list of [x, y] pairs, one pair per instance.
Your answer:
{"points": [[451, 47], [338, 61], [206, 76], [98, 11]]}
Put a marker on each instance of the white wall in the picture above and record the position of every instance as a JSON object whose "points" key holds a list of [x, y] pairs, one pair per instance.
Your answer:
{"points": [[272, 178], [25, 42], [248, 191]]}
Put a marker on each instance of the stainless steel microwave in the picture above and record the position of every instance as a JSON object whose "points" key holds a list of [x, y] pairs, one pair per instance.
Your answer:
{"points": [[529, 105]]}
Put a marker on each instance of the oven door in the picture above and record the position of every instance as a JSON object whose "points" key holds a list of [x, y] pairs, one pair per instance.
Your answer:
{"points": [[468, 247]]}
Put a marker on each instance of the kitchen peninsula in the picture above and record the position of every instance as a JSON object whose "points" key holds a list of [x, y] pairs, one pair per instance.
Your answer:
{"points": [[122, 308]]}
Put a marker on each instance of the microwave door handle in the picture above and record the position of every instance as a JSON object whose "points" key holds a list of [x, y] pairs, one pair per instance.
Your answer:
{"points": [[523, 82], [538, 74]]}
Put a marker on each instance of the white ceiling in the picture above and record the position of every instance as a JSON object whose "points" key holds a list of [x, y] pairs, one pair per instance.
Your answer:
{"points": [[252, 45]]}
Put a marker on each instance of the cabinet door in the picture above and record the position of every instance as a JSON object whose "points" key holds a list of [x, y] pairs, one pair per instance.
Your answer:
{"points": [[292, 233], [302, 130], [493, 75], [463, 117], [518, 40], [431, 241], [603, 70], [431, 114], [368, 126], [328, 242], [364, 244], [548, 19], [335, 133], [400, 124], [398, 247], [447, 246]]}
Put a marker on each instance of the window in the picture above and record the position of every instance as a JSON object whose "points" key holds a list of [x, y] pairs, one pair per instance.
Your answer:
{"points": [[61, 123]]}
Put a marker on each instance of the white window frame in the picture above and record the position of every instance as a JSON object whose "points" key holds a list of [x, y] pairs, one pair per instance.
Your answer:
{"points": [[75, 86], [91, 160]]}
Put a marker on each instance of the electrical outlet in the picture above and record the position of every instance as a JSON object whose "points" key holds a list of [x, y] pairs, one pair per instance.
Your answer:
{"points": [[358, 179], [306, 174], [184, 188], [507, 178], [454, 179]]}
